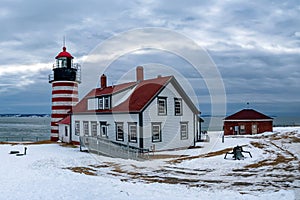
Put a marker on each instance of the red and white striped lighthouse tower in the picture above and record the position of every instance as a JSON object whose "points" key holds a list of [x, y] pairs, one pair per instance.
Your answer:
{"points": [[65, 78]]}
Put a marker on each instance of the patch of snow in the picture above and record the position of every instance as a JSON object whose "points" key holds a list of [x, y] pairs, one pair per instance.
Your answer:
{"points": [[126, 96], [43, 173]]}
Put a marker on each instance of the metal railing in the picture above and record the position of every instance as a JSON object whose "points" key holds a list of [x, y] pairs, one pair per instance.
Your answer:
{"points": [[113, 149], [78, 72], [76, 66], [51, 77]]}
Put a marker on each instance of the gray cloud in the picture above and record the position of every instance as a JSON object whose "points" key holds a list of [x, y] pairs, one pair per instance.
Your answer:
{"points": [[255, 44]]}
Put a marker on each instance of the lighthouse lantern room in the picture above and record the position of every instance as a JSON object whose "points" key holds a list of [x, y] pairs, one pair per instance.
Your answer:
{"points": [[65, 78]]}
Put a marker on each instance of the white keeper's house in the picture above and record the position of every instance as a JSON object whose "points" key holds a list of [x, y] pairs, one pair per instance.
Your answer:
{"points": [[154, 114]]}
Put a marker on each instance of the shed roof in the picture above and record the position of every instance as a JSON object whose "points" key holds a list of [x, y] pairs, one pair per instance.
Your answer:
{"points": [[248, 114]]}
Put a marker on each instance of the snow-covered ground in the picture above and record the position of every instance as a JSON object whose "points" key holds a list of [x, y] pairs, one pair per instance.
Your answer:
{"points": [[52, 171]]}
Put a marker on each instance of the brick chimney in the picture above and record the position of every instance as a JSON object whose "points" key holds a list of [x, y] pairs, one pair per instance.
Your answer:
{"points": [[139, 73], [103, 81]]}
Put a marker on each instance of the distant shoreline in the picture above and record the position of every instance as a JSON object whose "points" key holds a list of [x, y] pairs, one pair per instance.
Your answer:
{"points": [[25, 115]]}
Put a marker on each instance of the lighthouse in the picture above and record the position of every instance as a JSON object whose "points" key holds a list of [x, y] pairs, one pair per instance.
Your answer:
{"points": [[65, 78]]}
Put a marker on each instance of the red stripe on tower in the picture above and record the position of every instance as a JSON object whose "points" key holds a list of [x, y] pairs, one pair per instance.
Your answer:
{"points": [[65, 79], [64, 92]]}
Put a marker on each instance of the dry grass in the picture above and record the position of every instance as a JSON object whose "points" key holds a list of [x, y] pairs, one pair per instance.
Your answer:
{"points": [[295, 139], [168, 180], [210, 154], [68, 145], [241, 174], [83, 170], [258, 145], [290, 137], [118, 169], [164, 156], [280, 159], [166, 171], [242, 184], [100, 166]]}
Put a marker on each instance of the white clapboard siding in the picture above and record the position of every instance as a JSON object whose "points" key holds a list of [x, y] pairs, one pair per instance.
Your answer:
{"points": [[170, 124], [111, 128]]}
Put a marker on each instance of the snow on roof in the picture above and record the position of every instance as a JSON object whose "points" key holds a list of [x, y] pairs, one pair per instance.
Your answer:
{"points": [[247, 114]]}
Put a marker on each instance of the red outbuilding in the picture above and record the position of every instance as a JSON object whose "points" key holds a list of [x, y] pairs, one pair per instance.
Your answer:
{"points": [[247, 121]]}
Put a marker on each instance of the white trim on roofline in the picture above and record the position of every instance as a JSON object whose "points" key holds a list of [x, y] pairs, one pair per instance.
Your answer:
{"points": [[246, 120]]}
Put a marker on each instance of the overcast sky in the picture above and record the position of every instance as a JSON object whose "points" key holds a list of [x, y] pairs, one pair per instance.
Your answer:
{"points": [[255, 46]]}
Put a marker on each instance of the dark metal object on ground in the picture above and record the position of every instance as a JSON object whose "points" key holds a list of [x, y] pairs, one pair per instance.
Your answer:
{"points": [[14, 152], [237, 153], [22, 154]]}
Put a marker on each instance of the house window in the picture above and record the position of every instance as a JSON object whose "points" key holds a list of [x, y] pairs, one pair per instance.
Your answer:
{"points": [[156, 131], [107, 102], [242, 129], [184, 130], [77, 128], [162, 105], [119, 131], [94, 129], [132, 132], [103, 128], [100, 103], [178, 106], [86, 128], [104, 103]]}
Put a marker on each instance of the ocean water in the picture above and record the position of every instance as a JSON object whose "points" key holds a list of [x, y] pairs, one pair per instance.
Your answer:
{"points": [[26, 128], [38, 128]]}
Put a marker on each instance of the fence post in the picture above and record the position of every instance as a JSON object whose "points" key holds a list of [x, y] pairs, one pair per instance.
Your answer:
{"points": [[127, 150]]}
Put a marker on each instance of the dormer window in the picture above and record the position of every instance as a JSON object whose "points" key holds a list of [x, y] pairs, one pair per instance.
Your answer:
{"points": [[100, 103], [107, 102], [104, 103]]}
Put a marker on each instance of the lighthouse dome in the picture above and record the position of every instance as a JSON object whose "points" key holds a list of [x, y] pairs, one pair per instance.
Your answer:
{"points": [[64, 53]]}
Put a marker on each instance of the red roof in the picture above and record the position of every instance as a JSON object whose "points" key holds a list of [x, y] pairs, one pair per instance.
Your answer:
{"points": [[66, 120], [110, 89], [247, 114], [143, 92], [64, 53]]}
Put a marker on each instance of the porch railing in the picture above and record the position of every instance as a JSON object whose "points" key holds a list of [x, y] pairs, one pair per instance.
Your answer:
{"points": [[113, 149]]}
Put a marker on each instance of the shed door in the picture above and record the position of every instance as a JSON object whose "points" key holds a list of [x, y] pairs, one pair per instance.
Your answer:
{"points": [[254, 129], [236, 130]]}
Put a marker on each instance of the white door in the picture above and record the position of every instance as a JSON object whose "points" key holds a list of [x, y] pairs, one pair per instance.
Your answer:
{"points": [[236, 130], [254, 129]]}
